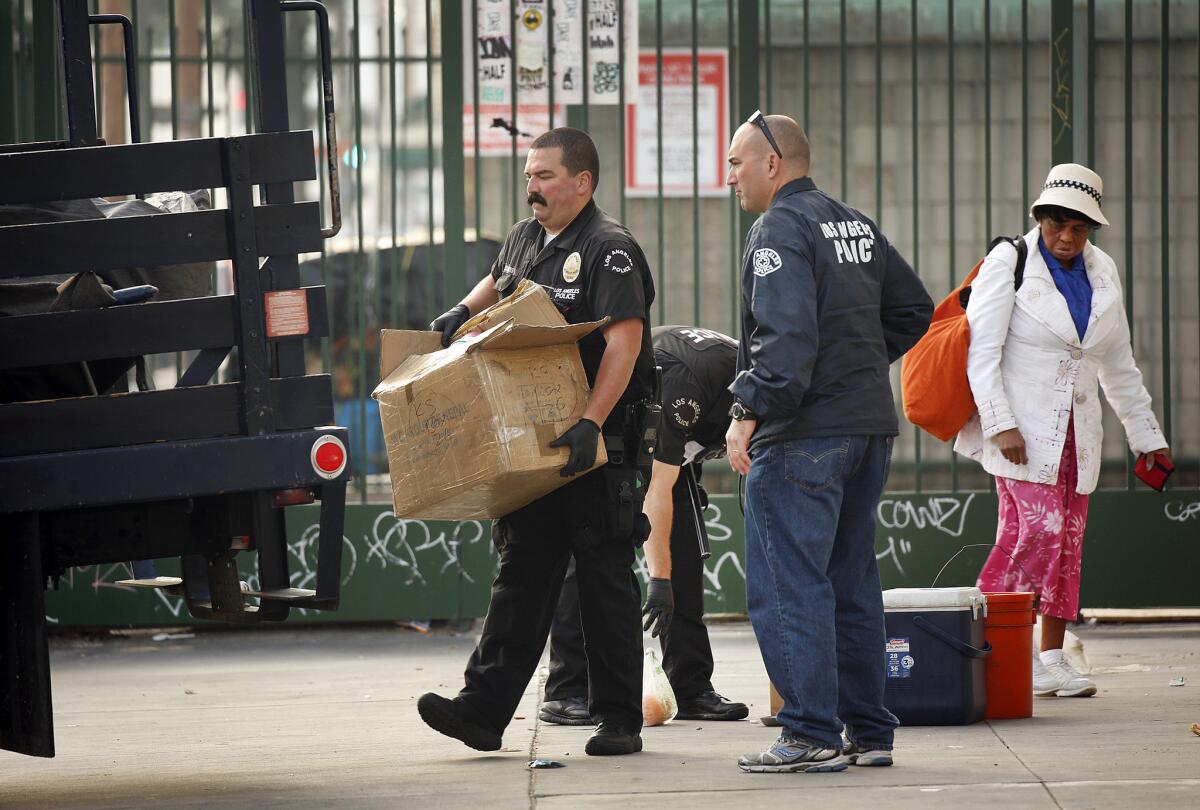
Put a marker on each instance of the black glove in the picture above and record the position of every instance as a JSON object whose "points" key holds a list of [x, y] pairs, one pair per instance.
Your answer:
{"points": [[660, 606], [448, 323], [581, 438]]}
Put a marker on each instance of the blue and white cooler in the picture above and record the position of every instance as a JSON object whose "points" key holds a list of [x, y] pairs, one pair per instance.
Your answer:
{"points": [[934, 655]]}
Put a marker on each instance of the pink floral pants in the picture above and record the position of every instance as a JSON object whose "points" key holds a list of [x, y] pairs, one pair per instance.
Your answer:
{"points": [[1041, 526]]}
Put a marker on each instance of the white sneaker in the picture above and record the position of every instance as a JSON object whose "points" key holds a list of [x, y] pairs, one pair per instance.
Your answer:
{"points": [[1059, 678]]}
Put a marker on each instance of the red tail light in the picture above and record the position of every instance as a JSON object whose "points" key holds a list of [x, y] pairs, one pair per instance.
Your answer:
{"points": [[329, 457]]}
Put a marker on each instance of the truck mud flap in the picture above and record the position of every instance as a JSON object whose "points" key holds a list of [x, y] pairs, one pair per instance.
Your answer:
{"points": [[26, 712]]}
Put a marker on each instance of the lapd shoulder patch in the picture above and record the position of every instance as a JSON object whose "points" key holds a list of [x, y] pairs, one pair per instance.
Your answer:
{"points": [[766, 262], [685, 411], [618, 260]]}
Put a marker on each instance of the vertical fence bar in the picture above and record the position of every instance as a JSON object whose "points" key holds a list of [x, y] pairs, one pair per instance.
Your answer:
{"points": [[248, 86], [549, 60], [393, 98], [1091, 88], [807, 63], [208, 71], [8, 90], [480, 264], [587, 76], [658, 160], [950, 190], [769, 60], [146, 93], [27, 112], [732, 37], [879, 113], [987, 125], [331, 303], [748, 85], [1164, 213], [843, 129], [621, 56], [454, 169], [514, 60], [695, 71], [431, 300], [47, 115], [1128, 55], [1062, 91], [360, 263], [1024, 107], [97, 72], [173, 61], [916, 213]]}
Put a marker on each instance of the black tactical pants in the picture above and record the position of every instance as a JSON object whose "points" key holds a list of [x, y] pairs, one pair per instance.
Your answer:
{"points": [[687, 653], [535, 544]]}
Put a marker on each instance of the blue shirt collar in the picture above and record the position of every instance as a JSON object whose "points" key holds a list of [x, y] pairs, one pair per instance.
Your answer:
{"points": [[1052, 262]]}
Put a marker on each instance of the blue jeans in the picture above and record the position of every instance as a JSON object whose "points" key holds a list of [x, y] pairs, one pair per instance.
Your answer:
{"points": [[812, 584]]}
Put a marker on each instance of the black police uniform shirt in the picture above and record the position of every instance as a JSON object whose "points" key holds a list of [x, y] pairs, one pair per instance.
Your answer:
{"points": [[827, 305], [592, 269], [697, 367]]}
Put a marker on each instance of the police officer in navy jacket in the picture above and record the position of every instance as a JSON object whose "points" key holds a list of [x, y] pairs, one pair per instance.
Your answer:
{"points": [[827, 304]]}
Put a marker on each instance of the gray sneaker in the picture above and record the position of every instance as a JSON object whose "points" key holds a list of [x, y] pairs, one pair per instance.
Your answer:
{"points": [[867, 757], [788, 755]]}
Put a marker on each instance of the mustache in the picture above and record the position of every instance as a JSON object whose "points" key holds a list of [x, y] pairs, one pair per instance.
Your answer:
{"points": [[535, 198]]}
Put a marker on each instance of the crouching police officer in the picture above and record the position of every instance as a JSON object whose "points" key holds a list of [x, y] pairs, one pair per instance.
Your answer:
{"points": [[592, 268], [697, 368]]}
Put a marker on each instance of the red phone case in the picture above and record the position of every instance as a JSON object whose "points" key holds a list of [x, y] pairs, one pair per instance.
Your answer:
{"points": [[1156, 476]]}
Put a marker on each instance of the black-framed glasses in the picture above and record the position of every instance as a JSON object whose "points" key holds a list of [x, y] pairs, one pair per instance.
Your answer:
{"points": [[760, 120]]}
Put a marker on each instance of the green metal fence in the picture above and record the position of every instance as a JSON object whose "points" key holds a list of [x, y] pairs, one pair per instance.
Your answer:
{"points": [[938, 119]]}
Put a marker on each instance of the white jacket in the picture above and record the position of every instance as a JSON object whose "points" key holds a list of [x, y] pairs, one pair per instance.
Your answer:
{"points": [[1028, 368]]}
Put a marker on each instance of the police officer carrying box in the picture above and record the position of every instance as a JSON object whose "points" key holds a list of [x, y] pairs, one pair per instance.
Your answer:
{"points": [[592, 268], [697, 368]]}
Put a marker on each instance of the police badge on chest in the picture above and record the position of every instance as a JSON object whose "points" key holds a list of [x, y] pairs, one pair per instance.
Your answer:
{"points": [[565, 296]]}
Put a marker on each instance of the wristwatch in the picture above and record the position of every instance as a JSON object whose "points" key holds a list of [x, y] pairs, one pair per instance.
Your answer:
{"points": [[740, 412]]}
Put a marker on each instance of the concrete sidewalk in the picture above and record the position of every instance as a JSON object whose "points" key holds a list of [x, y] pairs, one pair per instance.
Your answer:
{"points": [[327, 717]]}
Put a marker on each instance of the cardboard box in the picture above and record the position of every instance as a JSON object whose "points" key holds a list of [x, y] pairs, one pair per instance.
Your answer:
{"points": [[468, 428]]}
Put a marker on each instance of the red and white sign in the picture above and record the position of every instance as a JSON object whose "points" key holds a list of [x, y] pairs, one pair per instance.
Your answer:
{"points": [[712, 122], [532, 120]]}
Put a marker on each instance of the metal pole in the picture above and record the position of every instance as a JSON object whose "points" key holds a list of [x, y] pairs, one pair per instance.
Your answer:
{"points": [[1164, 215], [454, 200], [1062, 56], [916, 214], [748, 93]]}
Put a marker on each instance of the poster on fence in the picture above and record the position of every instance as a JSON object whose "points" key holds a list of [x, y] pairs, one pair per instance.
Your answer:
{"points": [[546, 28], [711, 119]]}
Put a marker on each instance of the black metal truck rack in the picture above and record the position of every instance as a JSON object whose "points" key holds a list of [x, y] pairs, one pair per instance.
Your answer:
{"points": [[200, 471]]}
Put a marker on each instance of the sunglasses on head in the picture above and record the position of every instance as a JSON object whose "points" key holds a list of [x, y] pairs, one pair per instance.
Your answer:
{"points": [[760, 120]]}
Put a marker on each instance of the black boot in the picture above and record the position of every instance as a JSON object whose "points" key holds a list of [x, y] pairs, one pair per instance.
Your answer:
{"points": [[611, 740], [449, 718], [572, 711], [711, 706]]}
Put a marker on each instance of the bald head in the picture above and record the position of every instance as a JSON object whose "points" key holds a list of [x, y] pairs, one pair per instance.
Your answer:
{"points": [[791, 139], [756, 172]]}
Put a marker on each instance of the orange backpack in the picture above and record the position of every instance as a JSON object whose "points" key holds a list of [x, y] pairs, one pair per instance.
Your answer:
{"points": [[933, 374]]}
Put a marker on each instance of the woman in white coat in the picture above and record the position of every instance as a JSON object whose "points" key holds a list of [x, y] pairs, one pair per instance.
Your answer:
{"points": [[1035, 358]]}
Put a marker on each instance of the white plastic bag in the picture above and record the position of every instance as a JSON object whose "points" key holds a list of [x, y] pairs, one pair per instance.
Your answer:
{"points": [[658, 698]]}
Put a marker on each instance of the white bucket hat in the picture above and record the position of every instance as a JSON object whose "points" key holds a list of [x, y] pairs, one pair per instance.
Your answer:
{"points": [[1074, 187]]}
